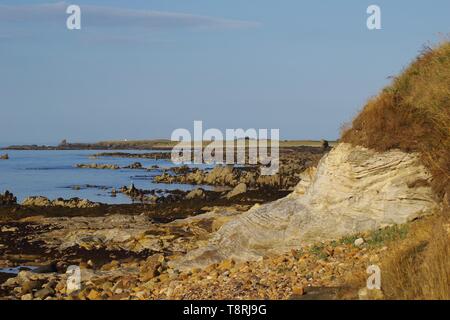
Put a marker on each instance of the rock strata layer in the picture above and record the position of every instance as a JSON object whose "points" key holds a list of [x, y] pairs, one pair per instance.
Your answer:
{"points": [[353, 190]]}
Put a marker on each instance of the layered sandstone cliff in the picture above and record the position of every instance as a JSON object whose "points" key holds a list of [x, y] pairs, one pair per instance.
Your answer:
{"points": [[354, 189]]}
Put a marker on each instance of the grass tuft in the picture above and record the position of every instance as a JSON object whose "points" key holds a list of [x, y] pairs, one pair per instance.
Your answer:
{"points": [[382, 236]]}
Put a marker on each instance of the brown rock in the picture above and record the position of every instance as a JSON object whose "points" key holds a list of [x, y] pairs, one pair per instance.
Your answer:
{"points": [[44, 293], [152, 267], [30, 285], [298, 291], [94, 295]]}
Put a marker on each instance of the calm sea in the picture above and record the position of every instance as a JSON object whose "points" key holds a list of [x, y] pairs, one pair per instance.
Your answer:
{"points": [[53, 174]]}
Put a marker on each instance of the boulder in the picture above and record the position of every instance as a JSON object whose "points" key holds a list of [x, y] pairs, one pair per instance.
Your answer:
{"points": [[354, 190]]}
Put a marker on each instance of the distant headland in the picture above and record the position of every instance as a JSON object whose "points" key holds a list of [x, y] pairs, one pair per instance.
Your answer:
{"points": [[156, 144]]}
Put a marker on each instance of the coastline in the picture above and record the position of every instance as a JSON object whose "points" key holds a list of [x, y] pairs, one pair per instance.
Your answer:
{"points": [[97, 237], [159, 144]]}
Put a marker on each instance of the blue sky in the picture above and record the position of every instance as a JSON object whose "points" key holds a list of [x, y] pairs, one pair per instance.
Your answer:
{"points": [[142, 68]]}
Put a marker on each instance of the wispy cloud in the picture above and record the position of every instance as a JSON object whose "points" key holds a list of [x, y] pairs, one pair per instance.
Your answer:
{"points": [[105, 16]]}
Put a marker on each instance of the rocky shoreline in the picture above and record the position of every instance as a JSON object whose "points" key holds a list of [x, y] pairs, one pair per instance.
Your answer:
{"points": [[140, 251], [115, 242], [293, 161], [41, 232]]}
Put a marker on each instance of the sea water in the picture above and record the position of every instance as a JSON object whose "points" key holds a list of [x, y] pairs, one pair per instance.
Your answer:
{"points": [[53, 174]]}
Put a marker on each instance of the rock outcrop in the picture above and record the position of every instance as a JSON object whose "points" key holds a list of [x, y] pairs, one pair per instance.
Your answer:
{"points": [[292, 162], [354, 190], [7, 199], [98, 166], [40, 201]]}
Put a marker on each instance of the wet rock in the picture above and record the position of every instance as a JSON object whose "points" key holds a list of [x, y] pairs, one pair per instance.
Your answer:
{"points": [[196, 194], [98, 166], [4, 157], [152, 155], [133, 192], [135, 165]]}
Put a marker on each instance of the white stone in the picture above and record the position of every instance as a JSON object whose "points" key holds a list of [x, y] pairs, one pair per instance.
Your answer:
{"points": [[354, 190]]}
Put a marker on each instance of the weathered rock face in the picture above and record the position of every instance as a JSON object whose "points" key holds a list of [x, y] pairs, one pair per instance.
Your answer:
{"points": [[354, 189]]}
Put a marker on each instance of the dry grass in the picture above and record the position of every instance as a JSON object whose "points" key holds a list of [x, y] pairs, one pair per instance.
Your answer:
{"points": [[419, 267], [413, 114]]}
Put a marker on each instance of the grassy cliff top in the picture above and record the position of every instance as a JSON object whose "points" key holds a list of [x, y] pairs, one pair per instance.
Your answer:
{"points": [[412, 114]]}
